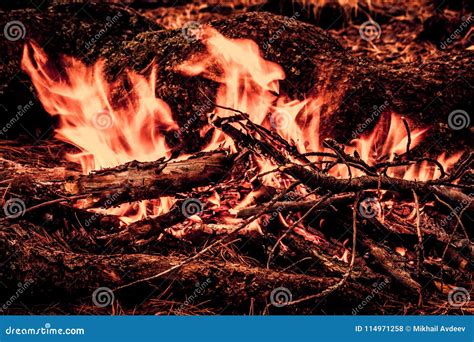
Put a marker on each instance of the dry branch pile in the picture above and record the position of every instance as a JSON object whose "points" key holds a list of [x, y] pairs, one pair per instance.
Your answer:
{"points": [[415, 259], [370, 243]]}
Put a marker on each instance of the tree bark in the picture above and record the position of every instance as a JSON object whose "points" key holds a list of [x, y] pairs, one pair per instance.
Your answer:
{"points": [[133, 181]]}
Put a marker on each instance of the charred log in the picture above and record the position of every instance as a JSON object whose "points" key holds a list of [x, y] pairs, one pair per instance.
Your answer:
{"points": [[133, 181]]}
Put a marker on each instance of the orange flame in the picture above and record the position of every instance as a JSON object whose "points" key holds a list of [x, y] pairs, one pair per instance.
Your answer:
{"points": [[109, 135], [106, 134], [250, 84]]}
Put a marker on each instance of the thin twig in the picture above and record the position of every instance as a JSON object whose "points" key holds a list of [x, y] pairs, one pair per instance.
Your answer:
{"points": [[456, 215], [348, 273], [420, 249], [290, 228], [171, 269], [407, 127]]}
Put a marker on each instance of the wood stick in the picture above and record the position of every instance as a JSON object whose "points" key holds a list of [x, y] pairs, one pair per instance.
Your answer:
{"points": [[314, 179], [133, 181], [297, 206]]}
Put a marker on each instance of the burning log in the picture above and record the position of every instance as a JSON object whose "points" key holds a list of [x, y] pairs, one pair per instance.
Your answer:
{"points": [[317, 180], [133, 181], [298, 206], [136, 181]]}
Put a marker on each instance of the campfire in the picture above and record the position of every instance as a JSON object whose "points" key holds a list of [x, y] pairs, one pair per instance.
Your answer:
{"points": [[221, 166]]}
